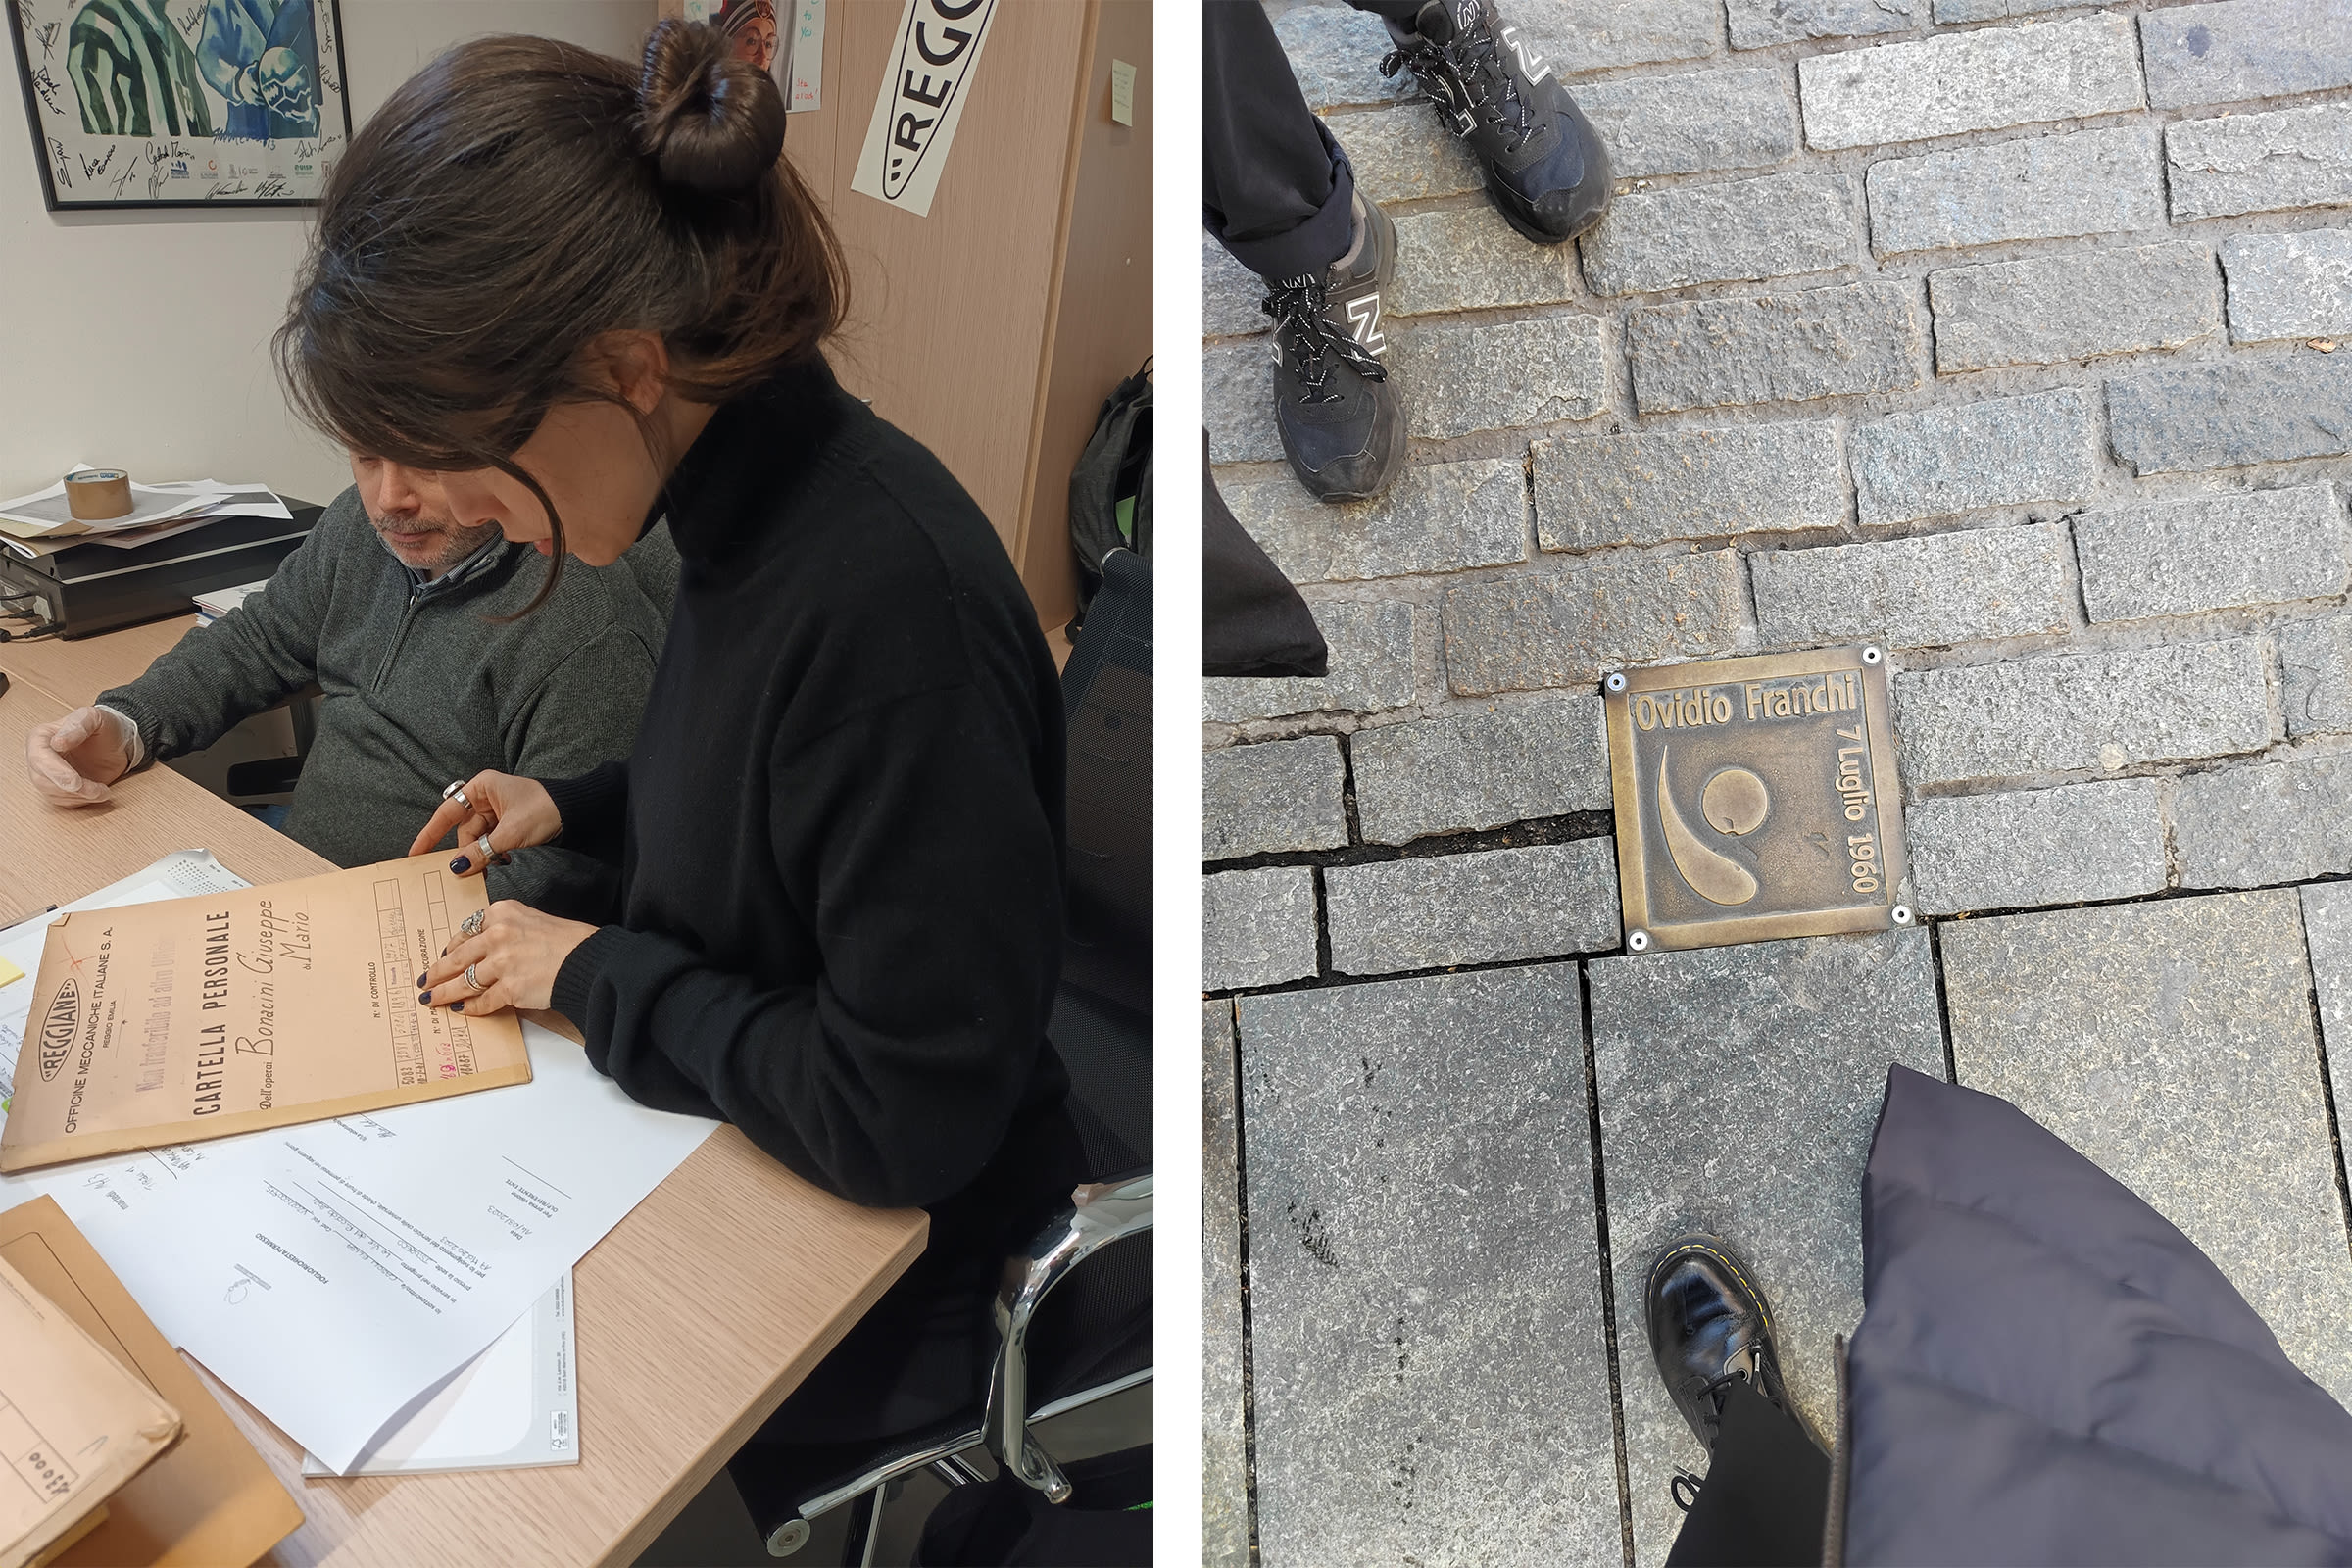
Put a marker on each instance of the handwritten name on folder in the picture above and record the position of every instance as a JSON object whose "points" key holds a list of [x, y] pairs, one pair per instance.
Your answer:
{"points": [[194, 1019]]}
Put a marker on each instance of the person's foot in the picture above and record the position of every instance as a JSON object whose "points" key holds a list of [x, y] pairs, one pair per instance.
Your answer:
{"points": [[1545, 169], [1342, 422], [1708, 1327]]}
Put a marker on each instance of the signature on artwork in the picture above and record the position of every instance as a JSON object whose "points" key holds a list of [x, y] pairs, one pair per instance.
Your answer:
{"points": [[191, 19], [269, 187], [46, 85], [232, 188], [56, 156], [93, 168], [46, 36], [129, 173]]}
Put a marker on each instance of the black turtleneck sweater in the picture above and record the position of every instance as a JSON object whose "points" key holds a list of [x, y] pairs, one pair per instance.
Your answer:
{"points": [[840, 834]]}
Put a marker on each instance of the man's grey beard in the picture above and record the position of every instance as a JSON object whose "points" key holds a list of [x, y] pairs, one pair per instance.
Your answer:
{"points": [[459, 543]]}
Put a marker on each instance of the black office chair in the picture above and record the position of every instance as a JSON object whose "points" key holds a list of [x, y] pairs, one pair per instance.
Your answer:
{"points": [[1073, 1318]]}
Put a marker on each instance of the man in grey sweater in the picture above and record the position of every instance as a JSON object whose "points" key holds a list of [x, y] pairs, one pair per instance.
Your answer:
{"points": [[394, 610]]}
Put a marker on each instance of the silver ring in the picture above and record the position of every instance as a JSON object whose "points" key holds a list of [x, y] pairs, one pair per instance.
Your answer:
{"points": [[483, 843], [457, 792], [478, 987], [471, 925]]}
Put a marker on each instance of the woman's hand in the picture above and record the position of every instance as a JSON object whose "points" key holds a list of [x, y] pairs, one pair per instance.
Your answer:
{"points": [[515, 960], [73, 760], [514, 814]]}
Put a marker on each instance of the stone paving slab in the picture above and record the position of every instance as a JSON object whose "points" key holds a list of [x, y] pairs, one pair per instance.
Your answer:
{"points": [[2264, 163], [2328, 940], [1769, 348], [1994, 453], [1431, 1380], [2077, 711], [1371, 664], [2079, 843], [2315, 659], [2044, 188], [2244, 827], [1586, 35], [1237, 402], [2242, 49], [2289, 285], [1229, 297], [1956, 82], [1951, 12], [1739, 1087], [1939, 589], [1761, 24], [1404, 155], [1437, 516], [1596, 491], [1568, 627], [2175, 558], [1446, 373], [1544, 901], [1466, 771], [1469, 259], [1689, 124], [2229, 413], [1224, 1439], [1283, 795], [1776, 225], [2172, 1044], [1258, 928], [2053, 309], [1334, 52]]}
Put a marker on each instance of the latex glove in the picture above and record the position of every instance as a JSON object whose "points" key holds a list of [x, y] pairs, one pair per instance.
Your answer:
{"points": [[73, 760]]}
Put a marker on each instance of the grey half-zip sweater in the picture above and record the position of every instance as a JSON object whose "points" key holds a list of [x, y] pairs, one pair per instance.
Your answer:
{"points": [[424, 684]]}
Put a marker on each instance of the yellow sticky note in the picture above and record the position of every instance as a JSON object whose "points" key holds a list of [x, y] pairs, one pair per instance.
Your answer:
{"points": [[1122, 92], [8, 973]]}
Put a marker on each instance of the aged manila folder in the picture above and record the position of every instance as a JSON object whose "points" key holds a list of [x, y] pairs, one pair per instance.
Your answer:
{"points": [[75, 1424], [210, 1502], [193, 1018]]}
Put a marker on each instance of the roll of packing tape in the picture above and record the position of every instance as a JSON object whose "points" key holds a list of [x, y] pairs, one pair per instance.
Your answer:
{"points": [[96, 494]]}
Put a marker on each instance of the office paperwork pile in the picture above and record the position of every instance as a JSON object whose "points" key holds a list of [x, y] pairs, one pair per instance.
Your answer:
{"points": [[44, 521], [340, 1275]]}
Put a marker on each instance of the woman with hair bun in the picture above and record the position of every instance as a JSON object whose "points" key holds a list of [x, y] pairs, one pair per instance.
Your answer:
{"points": [[581, 297]]}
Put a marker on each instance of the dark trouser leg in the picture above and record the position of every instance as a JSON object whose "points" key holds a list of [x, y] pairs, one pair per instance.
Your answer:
{"points": [[1389, 10], [1766, 1491], [1275, 188]]}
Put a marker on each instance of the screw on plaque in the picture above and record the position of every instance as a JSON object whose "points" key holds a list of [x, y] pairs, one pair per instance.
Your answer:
{"points": [[1615, 682], [1901, 914], [1871, 654], [1637, 941]]}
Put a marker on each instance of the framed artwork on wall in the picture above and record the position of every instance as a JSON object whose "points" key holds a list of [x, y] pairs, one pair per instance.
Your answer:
{"points": [[182, 103]]}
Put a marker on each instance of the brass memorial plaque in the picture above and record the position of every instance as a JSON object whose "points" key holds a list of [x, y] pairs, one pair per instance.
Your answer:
{"points": [[1748, 795]]}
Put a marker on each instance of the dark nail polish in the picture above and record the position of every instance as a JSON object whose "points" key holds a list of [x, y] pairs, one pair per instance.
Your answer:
{"points": [[420, 981], [460, 864], [457, 1007], [426, 997]]}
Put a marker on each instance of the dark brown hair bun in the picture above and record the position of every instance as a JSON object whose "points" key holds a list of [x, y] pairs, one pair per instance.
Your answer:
{"points": [[709, 120]]}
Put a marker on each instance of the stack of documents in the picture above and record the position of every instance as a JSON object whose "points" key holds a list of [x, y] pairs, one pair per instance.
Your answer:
{"points": [[220, 601], [158, 511], [342, 1274]]}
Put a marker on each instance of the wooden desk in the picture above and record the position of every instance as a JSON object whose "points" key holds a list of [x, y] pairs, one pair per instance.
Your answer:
{"points": [[76, 673], [696, 1314]]}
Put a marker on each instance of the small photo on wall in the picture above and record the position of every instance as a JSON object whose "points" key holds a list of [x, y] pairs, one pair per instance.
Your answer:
{"points": [[182, 103]]}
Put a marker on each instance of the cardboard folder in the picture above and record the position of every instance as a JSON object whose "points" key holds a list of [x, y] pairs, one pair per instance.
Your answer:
{"points": [[209, 1502], [192, 1018]]}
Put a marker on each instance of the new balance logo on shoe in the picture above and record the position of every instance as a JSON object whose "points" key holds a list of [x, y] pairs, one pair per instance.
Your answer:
{"points": [[1533, 67], [1363, 317]]}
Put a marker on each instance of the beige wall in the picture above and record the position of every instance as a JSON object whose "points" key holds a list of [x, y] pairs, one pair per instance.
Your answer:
{"points": [[141, 339]]}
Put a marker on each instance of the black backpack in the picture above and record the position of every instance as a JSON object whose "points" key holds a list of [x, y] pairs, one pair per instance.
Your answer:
{"points": [[1110, 487]]}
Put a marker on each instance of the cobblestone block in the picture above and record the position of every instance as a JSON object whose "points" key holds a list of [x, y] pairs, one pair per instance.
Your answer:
{"points": [[2079, 711], [1283, 795], [1229, 296], [1769, 348], [1448, 373], [1749, 228], [1952, 12], [1236, 400], [1371, 668], [1995, 453], [2042, 187], [2270, 163], [1967, 81], [1335, 54], [1404, 155], [1689, 124], [2289, 285], [1418, 1353], [1258, 928], [2070, 845], [1586, 35], [1567, 627], [1596, 491], [2172, 1044], [2327, 934], [2175, 558], [2316, 657], [1542, 901], [1760, 24], [2271, 822], [1479, 771], [1469, 259], [2225, 415], [1798, 1034], [2241, 49], [1439, 517], [2055, 309], [1224, 1431], [1944, 588]]}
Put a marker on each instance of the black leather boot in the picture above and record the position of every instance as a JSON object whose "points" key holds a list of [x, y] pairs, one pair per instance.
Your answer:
{"points": [[1709, 1325]]}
